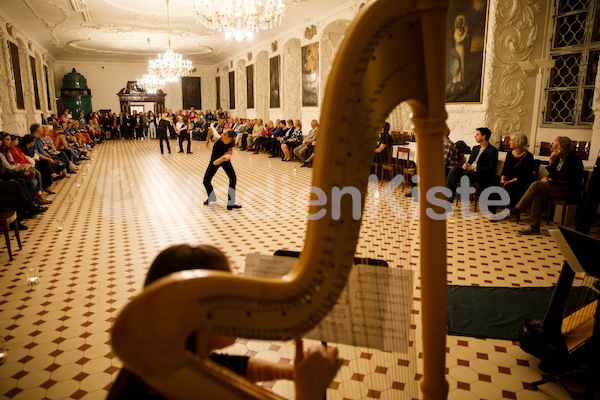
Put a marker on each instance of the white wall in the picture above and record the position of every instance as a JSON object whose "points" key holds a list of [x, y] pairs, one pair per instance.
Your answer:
{"points": [[106, 79]]}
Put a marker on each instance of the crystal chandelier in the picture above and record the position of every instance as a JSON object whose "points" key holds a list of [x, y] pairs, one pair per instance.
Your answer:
{"points": [[169, 66], [239, 18], [151, 83]]}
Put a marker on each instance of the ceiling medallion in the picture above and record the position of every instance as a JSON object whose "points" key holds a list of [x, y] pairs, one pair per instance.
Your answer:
{"points": [[239, 18]]}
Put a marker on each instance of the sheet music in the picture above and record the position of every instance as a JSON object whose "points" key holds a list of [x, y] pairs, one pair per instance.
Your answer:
{"points": [[373, 310]]}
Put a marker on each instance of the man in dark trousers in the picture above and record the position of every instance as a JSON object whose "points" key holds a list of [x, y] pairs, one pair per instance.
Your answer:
{"points": [[162, 130], [564, 181], [481, 166], [221, 157]]}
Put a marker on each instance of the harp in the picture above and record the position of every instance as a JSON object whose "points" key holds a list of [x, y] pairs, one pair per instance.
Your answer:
{"points": [[562, 334], [391, 53]]}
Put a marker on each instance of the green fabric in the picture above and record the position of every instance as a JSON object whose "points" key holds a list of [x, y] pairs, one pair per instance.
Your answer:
{"points": [[497, 312]]}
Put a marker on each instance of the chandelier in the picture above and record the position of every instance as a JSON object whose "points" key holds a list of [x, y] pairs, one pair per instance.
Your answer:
{"points": [[169, 66], [239, 18], [151, 83]]}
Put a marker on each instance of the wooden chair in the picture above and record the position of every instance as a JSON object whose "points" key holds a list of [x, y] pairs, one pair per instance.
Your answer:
{"points": [[6, 218], [388, 165], [545, 149], [564, 203], [403, 165]]}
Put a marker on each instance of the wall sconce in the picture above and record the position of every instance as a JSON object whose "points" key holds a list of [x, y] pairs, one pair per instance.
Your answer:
{"points": [[530, 67]]}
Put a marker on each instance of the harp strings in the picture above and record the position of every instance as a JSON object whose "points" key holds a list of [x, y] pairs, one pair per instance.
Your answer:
{"points": [[585, 303]]}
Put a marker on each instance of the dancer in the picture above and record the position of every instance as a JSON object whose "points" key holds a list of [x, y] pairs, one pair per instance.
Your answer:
{"points": [[221, 157], [161, 132], [183, 132]]}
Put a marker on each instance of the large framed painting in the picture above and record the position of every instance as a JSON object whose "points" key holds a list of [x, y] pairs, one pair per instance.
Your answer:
{"points": [[218, 86], [232, 90], [16, 67], [274, 95], [467, 26], [191, 90], [310, 75], [250, 86]]}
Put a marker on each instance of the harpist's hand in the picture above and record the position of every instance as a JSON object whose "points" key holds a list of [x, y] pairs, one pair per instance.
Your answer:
{"points": [[314, 369]]}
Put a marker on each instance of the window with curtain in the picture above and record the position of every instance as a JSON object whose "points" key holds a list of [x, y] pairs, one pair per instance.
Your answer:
{"points": [[16, 67], [36, 87], [576, 50], [47, 87]]}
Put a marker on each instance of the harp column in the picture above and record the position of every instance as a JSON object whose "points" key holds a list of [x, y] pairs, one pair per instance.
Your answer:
{"points": [[429, 131]]}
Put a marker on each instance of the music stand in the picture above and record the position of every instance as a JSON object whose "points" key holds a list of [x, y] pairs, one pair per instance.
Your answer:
{"points": [[578, 250], [357, 261]]}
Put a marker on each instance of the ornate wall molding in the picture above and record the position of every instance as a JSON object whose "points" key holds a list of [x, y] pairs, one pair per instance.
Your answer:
{"points": [[261, 86], [291, 81], [241, 96], [515, 32]]}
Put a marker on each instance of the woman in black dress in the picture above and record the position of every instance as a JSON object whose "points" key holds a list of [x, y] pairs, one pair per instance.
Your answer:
{"points": [[221, 157], [161, 132], [517, 173]]}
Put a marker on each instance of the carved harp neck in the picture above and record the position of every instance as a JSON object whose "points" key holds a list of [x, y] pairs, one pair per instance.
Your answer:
{"points": [[392, 52]]}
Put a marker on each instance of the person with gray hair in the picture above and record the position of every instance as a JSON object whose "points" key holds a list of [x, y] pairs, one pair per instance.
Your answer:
{"points": [[517, 173], [564, 181]]}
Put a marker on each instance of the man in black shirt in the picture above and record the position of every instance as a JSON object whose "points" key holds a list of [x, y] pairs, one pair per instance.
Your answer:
{"points": [[221, 157]]}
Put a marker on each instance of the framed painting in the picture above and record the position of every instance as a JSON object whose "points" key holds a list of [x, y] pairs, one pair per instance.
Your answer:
{"points": [[232, 90], [310, 75], [274, 95], [250, 86], [16, 67], [218, 86], [190, 88], [467, 27]]}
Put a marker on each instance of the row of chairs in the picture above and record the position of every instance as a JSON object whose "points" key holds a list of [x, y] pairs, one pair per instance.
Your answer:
{"points": [[395, 165]]}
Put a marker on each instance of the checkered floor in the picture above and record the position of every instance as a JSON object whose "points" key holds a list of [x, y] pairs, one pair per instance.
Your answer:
{"points": [[129, 202]]}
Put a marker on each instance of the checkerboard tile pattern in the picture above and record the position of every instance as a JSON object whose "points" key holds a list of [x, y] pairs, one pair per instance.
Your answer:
{"points": [[129, 202]]}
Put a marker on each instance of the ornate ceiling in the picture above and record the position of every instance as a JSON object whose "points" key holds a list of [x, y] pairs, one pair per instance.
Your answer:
{"points": [[119, 29]]}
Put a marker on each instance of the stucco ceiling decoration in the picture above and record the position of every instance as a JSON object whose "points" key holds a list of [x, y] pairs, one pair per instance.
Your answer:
{"points": [[118, 29]]}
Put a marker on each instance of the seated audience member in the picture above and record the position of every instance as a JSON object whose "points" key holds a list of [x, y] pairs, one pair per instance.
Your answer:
{"points": [[62, 145], [61, 160], [13, 170], [310, 153], [383, 149], [480, 168], [517, 173], [257, 131], [300, 151], [263, 138], [273, 146], [14, 196], [24, 155], [451, 155], [240, 129], [564, 180], [312, 371], [291, 140]]}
